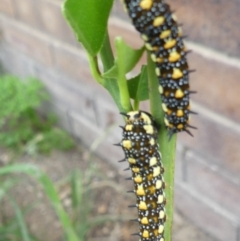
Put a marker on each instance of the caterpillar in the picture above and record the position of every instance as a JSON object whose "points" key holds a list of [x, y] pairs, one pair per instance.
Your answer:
{"points": [[141, 150], [163, 38]]}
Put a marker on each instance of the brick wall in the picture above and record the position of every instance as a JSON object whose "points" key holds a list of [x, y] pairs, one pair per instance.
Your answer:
{"points": [[35, 40]]}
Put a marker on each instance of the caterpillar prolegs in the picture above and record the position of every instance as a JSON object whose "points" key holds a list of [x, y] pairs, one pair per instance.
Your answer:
{"points": [[141, 150], [163, 38]]}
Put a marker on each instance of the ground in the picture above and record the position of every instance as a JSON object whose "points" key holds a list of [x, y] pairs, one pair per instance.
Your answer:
{"points": [[109, 198]]}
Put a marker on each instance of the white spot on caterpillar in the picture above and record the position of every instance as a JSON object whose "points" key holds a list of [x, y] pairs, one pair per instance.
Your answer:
{"points": [[160, 199], [157, 71], [156, 171], [160, 229], [153, 161], [158, 184]]}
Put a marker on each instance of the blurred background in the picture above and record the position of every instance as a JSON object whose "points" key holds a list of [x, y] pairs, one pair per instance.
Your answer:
{"points": [[36, 41]]}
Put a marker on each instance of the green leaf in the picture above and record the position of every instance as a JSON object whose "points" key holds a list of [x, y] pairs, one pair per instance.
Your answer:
{"points": [[111, 73], [88, 20], [126, 59], [21, 222], [138, 86]]}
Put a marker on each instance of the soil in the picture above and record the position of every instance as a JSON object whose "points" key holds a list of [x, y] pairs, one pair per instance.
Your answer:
{"points": [[108, 196]]}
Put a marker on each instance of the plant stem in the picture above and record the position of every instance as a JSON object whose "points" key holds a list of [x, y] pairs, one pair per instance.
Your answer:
{"points": [[122, 81], [167, 148], [93, 61], [106, 54], [107, 58], [136, 104]]}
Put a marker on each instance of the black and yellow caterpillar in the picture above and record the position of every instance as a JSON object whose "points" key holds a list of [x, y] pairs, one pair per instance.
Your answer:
{"points": [[141, 150], [163, 38]]}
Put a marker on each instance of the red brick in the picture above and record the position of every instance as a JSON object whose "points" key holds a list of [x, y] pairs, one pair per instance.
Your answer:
{"points": [[216, 83], [53, 21], [7, 7], [107, 112], [27, 12], [212, 23], [71, 61], [213, 183], [217, 140], [205, 214], [88, 133], [16, 63], [28, 42], [64, 92]]}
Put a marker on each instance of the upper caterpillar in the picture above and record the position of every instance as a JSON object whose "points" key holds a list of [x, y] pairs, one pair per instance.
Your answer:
{"points": [[163, 38]]}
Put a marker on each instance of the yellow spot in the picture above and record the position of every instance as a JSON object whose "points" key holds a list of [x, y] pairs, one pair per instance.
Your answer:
{"points": [[174, 17], [158, 184], [142, 205], [166, 93], [140, 191], [127, 144], [149, 177], [131, 160], [166, 122], [138, 179], [152, 142], [155, 232], [164, 107], [151, 189], [146, 4], [179, 94], [155, 219], [160, 229], [180, 126], [153, 204], [129, 127], [146, 118], [160, 199], [177, 73], [165, 34], [162, 239], [135, 169], [180, 113], [156, 171], [154, 57], [161, 214], [158, 21], [153, 161], [160, 89], [174, 56], [148, 129], [144, 37], [144, 220], [148, 46], [160, 60], [145, 234], [169, 112], [170, 43]]}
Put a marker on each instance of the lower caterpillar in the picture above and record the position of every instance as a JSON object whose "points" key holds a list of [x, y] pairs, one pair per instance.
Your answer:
{"points": [[141, 150]]}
